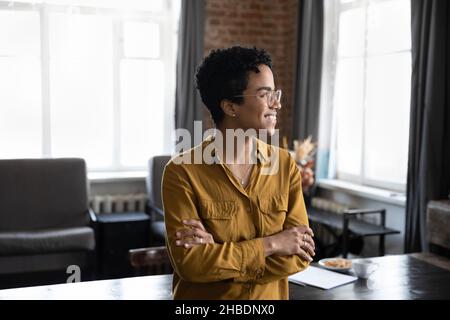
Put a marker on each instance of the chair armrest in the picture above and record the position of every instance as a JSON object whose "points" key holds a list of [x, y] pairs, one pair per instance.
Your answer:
{"points": [[151, 207], [92, 215], [93, 222], [353, 212]]}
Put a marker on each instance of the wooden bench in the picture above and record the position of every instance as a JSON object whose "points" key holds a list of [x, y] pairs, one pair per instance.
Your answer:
{"points": [[348, 222]]}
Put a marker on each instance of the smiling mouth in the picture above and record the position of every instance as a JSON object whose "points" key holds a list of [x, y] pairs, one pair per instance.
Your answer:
{"points": [[271, 116]]}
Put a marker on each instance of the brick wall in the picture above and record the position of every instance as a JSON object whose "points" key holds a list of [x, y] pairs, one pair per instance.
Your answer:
{"points": [[269, 24]]}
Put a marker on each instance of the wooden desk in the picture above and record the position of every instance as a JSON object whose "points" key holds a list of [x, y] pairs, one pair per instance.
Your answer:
{"points": [[400, 277]]}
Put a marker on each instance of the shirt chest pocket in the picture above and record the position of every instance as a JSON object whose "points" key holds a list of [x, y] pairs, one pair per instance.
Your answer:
{"points": [[273, 213], [219, 217]]}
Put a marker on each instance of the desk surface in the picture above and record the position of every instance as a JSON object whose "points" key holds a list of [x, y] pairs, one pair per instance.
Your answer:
{"points": [[399, 277]]}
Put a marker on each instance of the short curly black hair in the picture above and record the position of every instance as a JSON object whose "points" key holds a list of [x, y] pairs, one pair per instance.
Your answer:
{"points": [[223, 74]]}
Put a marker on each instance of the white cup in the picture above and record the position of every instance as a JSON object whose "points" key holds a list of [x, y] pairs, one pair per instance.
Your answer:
{"points": [[364, 268]]}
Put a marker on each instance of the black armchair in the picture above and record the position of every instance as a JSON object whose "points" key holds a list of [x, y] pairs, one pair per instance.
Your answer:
{"points": [[45, 222], [154, 204]]}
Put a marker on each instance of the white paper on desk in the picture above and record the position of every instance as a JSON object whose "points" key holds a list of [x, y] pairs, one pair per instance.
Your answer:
{"points": [[321, 278]]}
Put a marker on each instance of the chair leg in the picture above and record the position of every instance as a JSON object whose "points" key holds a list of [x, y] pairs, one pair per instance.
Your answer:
{"points": [[345, 237], [381, 250], [344, 247]]}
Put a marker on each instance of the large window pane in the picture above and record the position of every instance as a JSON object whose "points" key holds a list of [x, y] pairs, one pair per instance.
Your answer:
{"points": [[81, 82], [141, 40], [20, 108], [98, 84], [351, 33], [80, 36], [19, 33], [142, 111], [389, 26], [370, 76], [142, 5], [348, 104], [82, 110], [387, 117], [20, 85]]}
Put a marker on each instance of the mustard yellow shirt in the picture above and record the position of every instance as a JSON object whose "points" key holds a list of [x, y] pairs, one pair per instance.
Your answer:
{"points": [[234, 267]]}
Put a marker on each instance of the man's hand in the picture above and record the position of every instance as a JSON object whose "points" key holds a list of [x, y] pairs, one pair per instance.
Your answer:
{"points": [[194, 234]]}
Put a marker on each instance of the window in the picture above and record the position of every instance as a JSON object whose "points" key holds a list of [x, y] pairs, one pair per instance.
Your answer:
{"points": [[90, 79], [367, 78], [20, 83]]}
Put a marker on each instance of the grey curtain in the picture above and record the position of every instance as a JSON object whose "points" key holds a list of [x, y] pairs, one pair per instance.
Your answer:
{"points": [[429, 137], [309, 69], [188, 105]]}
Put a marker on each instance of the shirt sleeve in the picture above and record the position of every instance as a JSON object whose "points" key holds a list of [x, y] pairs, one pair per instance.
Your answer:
{"points": [[239, 261], [279, 267]]}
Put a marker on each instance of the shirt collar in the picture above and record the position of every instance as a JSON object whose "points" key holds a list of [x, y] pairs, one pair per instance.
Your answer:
{"points": [[261, 148]]}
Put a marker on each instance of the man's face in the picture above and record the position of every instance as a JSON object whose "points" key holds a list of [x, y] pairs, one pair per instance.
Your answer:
{"points": [[255, 112]]}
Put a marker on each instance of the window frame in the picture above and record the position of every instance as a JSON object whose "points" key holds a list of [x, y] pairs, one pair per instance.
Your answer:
{"points": [[168, 28], [329, 87]]}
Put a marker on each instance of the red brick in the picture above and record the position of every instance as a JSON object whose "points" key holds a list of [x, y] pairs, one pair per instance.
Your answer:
{"points": [[215, 13], [214, 21], [255, 6], [251, 15], [269, 24]]}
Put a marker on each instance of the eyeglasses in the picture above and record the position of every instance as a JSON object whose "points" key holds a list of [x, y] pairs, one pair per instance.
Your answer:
{"points": [[271, 96]]}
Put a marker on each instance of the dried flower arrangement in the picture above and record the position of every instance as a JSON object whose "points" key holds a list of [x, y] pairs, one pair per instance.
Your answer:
{"points": [[303, 155]]}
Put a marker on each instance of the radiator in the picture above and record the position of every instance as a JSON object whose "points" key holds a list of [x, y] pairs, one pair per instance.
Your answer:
{"points": [[134, 202]]}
